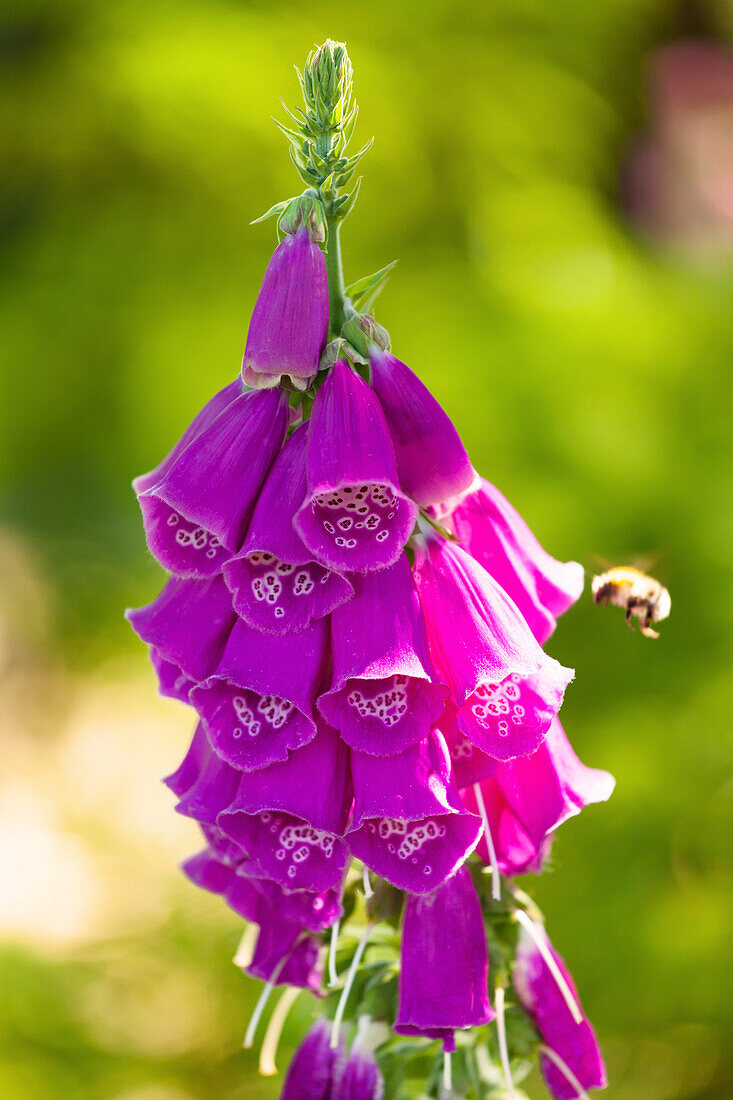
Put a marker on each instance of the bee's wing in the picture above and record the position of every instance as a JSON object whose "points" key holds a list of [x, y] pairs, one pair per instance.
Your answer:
{"points": [[595, 564], [647, 563]]}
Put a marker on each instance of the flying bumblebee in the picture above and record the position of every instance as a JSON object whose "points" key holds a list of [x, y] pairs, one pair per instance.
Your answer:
{"points": [[640, 595]]}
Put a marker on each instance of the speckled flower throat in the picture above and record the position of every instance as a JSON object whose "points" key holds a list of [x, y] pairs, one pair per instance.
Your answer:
{"points": [[357, 619]]}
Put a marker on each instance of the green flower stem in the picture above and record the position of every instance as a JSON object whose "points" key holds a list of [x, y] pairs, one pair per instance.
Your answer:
{"points": [[335, 272]]}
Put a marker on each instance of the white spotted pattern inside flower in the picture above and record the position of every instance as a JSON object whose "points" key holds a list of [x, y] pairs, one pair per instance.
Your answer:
{"points": [[406, 839], [356, 514], [388, 705], [297, 842], [194, 538], [273, 713], [497, 706], [461, 750], [273, 583]]}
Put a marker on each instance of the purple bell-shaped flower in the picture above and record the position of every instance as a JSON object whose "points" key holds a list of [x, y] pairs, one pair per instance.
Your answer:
{"points": [[432, 463], [196, 513], [355, 517], [289, 323], [506, 689]]}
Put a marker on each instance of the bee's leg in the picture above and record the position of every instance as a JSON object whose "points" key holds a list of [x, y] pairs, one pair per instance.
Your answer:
{"points": [[646, 625], [630, 610]]}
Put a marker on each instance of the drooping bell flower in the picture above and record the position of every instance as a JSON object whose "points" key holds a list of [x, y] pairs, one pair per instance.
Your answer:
{"points": [[384, 694], [189, 770], [259, 703], [494, 533], [310, 909], [574, 1045], [407, 824], [507, 690], [314, 1066], [289, 323], [206, 416], [444, 961], [432, 464], [208, 872], [290, 816], [527, 799], [354, 517], [360, 1078], [276, 582], [196, 514], [211, 792], [186, 626]]}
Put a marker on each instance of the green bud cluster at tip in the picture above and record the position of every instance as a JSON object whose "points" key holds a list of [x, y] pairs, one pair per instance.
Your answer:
{"points": [[319, 137]]}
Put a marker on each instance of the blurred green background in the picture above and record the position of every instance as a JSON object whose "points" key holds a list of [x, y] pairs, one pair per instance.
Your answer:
{"points": [[557, 182]]}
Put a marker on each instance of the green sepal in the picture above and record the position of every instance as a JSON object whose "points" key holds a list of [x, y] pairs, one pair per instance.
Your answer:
{"points": [[276, 209], [339, 349], [364, 291], [306, 209], [362, 332]]}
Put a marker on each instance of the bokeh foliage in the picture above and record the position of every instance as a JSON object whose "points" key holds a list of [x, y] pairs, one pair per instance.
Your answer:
{"points": [[586, 369]]}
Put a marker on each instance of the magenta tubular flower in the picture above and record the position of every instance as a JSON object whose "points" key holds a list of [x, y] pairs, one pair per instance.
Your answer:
{"points": [[360, 1078], [407, 823], [527, 799], [506, 688], [277, 584], [208, 872], [186, 627], [384, 696], [202, 420], [314, 1066], [259, 702], [494, 533], [211, 793], [312, 910], [289, 323], [354, 517], [189, 770], [196, 514], [290, 816], [432, 464], [575, 1044], [444, 961]]}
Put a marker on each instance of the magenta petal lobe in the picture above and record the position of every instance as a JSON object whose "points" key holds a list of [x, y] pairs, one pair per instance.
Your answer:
{"points": [[259, 703], [384, 696], [277, 583]]}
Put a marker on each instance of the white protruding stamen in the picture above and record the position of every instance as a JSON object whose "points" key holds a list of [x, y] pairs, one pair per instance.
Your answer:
{"points": [[537, 933], [565, 1070], [262, 1000], [341, 1007], [246, 949], [501, 1034], [268, 1051], [332, 975], [447, 1072], [368, 892], [495, 877]]}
